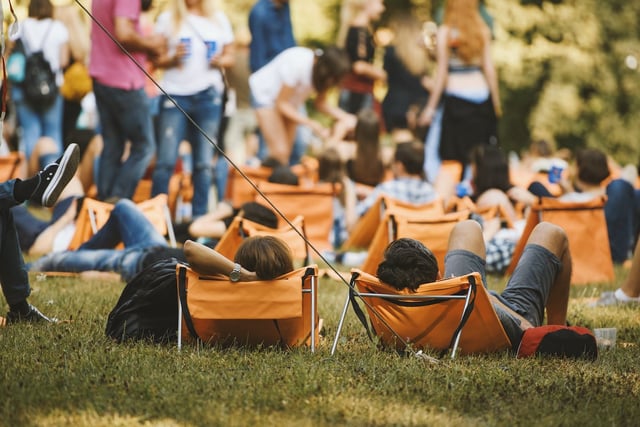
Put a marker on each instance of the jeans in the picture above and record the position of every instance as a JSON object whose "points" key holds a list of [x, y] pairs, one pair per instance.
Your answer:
{"points": [[354, 102], [173, 126], [126, 224], [124, 116], [13, 272], [37, 124], [432, 147]]}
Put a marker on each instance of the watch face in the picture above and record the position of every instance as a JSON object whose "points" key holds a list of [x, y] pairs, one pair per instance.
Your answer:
{"points": [[234, 276]]}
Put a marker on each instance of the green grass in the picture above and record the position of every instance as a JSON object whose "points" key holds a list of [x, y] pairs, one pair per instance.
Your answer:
{"points": [[70, 374]]}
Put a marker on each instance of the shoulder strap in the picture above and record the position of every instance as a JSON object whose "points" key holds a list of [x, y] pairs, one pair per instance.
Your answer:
{"points": [[182, 291], [26, 43]]}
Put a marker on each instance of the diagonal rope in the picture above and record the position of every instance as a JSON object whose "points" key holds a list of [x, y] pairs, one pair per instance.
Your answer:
{"points": [[213, 141]]}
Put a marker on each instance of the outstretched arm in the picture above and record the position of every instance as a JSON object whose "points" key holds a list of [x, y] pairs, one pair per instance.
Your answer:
{"points": [[207, 261]]}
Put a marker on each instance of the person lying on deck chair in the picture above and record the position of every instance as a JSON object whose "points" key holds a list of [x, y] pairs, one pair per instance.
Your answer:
{"points": [[541, 279], [143, 246]]}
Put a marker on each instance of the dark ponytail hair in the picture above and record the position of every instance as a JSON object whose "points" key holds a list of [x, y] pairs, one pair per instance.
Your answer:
{"points": [[331, 65]]}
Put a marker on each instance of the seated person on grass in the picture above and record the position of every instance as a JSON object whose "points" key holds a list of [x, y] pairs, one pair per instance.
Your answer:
{"points": [[44, 188], [540, 280]]}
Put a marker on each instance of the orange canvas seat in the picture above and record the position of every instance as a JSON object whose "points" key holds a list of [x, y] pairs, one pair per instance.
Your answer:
{"points": [[94, 214], [447, 314], [239, 190], [11, 165], [280, 312], [457, 204], [180, 187], [364, 230], [314, 203], [241, 228], [586, 229], [433, 232]]}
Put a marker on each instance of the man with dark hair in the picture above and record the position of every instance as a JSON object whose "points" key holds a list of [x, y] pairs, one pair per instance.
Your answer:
{"points": [[541, 279], [408, 184]]}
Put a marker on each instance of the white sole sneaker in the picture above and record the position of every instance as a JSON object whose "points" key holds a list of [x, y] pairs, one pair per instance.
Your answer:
{"points": [[66, 169]]}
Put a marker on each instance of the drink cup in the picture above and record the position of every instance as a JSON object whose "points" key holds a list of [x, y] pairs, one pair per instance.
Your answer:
{"points": [[555, 174], [186, 41], [605, 337], [212, 46]]}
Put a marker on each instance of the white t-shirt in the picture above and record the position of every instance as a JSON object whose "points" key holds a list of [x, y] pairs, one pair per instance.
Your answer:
{"points": [[293, 67], [46, 34], [194, 74]]}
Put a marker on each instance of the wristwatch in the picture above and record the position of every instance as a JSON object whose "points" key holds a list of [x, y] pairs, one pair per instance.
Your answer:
{"points": [[234, 276]]}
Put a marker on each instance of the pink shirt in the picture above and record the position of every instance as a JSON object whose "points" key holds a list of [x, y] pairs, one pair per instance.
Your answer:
{"points": [[108, 64]]}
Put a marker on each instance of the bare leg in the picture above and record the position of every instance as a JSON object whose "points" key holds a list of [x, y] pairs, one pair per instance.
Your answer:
{"points": [[467, 235], [276, 134], [495, 197], [555, 240]]}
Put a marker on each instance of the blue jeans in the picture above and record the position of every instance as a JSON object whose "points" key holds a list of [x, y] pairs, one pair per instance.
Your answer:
{"points": [[173, 126], [37, 124], [124, 116], [126, 224], [13, 272]]}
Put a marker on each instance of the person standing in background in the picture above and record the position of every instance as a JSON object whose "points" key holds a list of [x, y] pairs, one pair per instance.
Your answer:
{"points": [[355, 36], [467, 83], [118, 85], [40, 32], [201, 46], [271, 33]]}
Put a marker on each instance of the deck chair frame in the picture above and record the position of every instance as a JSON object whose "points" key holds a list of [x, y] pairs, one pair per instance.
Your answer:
{"points": [[469, 289], [308, 273]]}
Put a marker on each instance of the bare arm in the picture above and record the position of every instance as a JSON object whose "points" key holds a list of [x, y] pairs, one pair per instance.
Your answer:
{"points": [[65, 56], [126, 34], [490, 74], [205, 260], [366, 69], [442, 74]]}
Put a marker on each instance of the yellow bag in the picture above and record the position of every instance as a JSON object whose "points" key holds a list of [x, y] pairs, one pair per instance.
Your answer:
{"points": [[77, 82]]}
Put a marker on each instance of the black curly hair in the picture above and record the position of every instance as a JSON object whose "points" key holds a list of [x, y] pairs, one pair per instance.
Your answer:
{"points": [[407, 264]]}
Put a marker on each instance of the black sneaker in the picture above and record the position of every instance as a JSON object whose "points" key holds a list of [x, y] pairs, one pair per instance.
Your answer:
{"points": [[56, 176], [33, 315]]}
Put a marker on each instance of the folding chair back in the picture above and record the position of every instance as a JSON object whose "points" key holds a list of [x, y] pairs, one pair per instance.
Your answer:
{"points": [[94, 214], [314, 203], [11, 165], [239, 191], [180, 186], [241, 228], [363, 232], [433, 232], [433, 315], [278, 312], [586, 229]]}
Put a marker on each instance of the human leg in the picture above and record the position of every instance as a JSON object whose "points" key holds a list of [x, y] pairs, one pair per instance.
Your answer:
{"points": [[629, 291], [138, 129], [274, 131], [465, 251], [172, 127], [542, 277], [28, 121], [113, 140], [126, 224], [52, 122], [207, 111], [619, 212]]}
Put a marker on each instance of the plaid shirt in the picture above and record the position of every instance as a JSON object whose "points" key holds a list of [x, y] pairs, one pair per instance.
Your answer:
{"points": [[408, 189]]}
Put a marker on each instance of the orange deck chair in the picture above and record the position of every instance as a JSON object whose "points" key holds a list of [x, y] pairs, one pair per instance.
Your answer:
{"points": [[586, 229], [239, 191], [433, 232], [11, 165], [314, 203], [94, 214], [454, 313], [280, 312], [364, 230], [241, 228]]}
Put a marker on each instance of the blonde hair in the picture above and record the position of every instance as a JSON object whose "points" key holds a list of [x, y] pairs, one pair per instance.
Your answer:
{"points": [[179, 12], [408, 44], [348, 11], [462, 16]]}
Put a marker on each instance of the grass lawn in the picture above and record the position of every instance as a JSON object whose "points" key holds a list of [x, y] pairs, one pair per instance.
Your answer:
{"points": [[70, 374]]}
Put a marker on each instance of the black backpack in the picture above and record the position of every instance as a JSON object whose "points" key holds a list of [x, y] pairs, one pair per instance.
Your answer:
{"points": [[39, 85], [148, 306]]}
